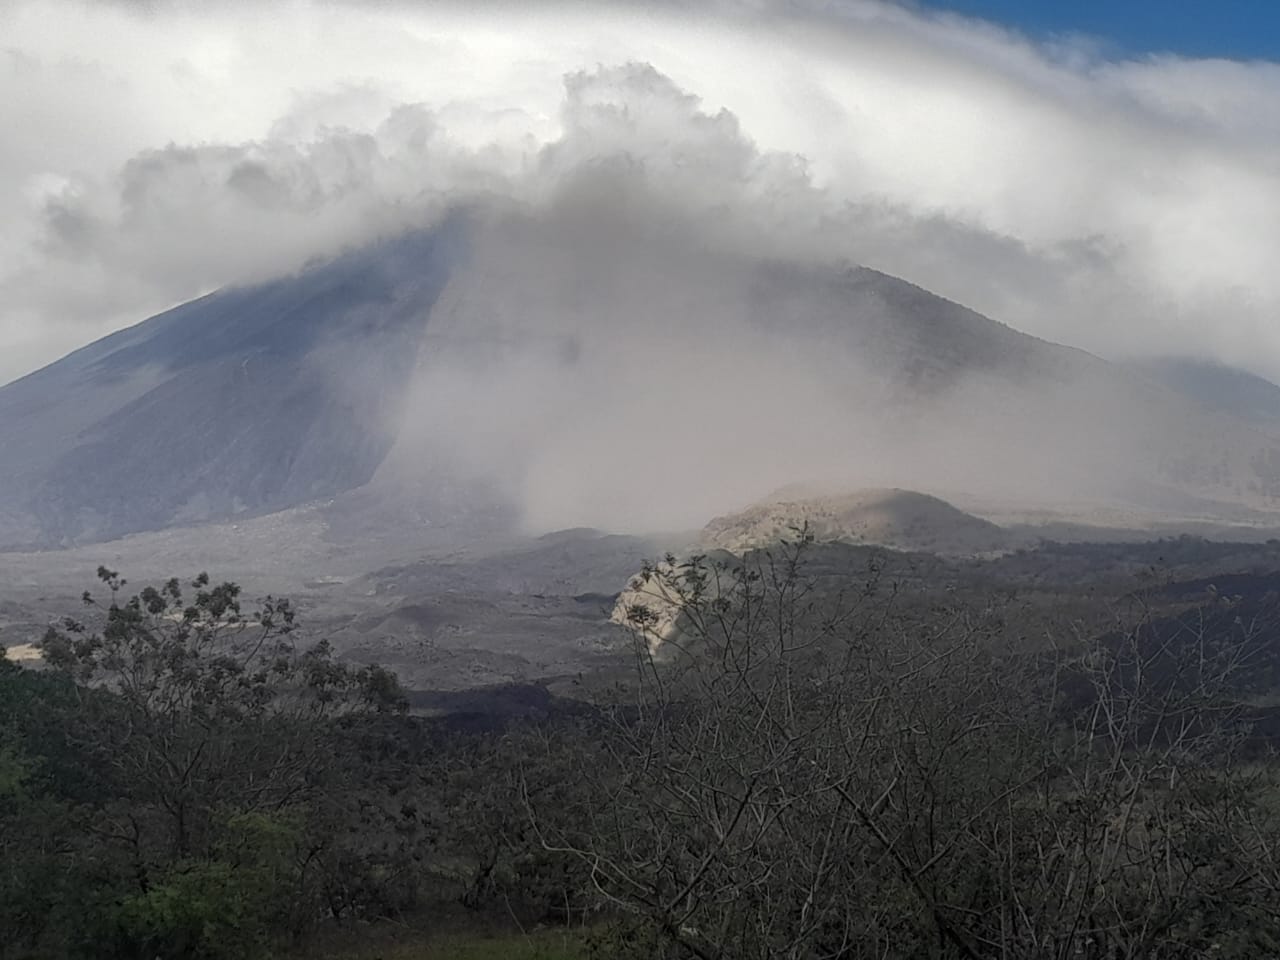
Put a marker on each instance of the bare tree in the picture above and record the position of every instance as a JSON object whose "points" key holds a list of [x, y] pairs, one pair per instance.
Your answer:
{"points": [[806, 769], [196, 707]]}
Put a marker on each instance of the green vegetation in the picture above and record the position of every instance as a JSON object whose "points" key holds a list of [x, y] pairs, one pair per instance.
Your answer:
{"points": [[538, 945], [916, 760]]}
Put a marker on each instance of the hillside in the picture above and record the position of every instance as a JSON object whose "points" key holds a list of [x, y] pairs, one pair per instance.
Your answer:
{"points": [[900, 519]]}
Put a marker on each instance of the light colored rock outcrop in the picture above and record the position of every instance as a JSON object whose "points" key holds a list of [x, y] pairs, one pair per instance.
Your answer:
{"points": [[653, 603]]}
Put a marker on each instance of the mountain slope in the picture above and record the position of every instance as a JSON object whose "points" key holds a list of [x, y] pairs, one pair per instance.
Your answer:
{"points": [[529, 368], [1227, 390], [247, 399]]}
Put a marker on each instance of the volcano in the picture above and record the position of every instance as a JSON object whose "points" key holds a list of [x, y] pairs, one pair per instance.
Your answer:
{"points": [[510, 356]]}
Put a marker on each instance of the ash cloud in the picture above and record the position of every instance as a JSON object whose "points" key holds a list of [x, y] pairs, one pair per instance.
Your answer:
{"points": [[658, 326]]}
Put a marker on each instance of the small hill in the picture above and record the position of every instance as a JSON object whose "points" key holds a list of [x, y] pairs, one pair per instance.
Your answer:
{"points": [[899, 519]]}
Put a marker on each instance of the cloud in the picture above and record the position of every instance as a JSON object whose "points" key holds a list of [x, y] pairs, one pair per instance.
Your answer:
{"points": [[159, 151]]}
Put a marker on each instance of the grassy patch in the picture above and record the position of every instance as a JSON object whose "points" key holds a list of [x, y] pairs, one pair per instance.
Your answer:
{"points": [[539, 945]]}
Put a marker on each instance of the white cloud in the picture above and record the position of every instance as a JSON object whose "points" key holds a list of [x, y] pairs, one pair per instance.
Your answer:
{"points": [[154, 153]]}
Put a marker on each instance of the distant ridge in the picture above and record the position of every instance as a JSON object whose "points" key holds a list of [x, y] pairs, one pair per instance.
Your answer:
{"points": [[1228, 390]]}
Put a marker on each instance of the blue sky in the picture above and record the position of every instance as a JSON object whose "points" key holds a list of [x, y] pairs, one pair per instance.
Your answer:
{"points": [[1232, 29]]}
